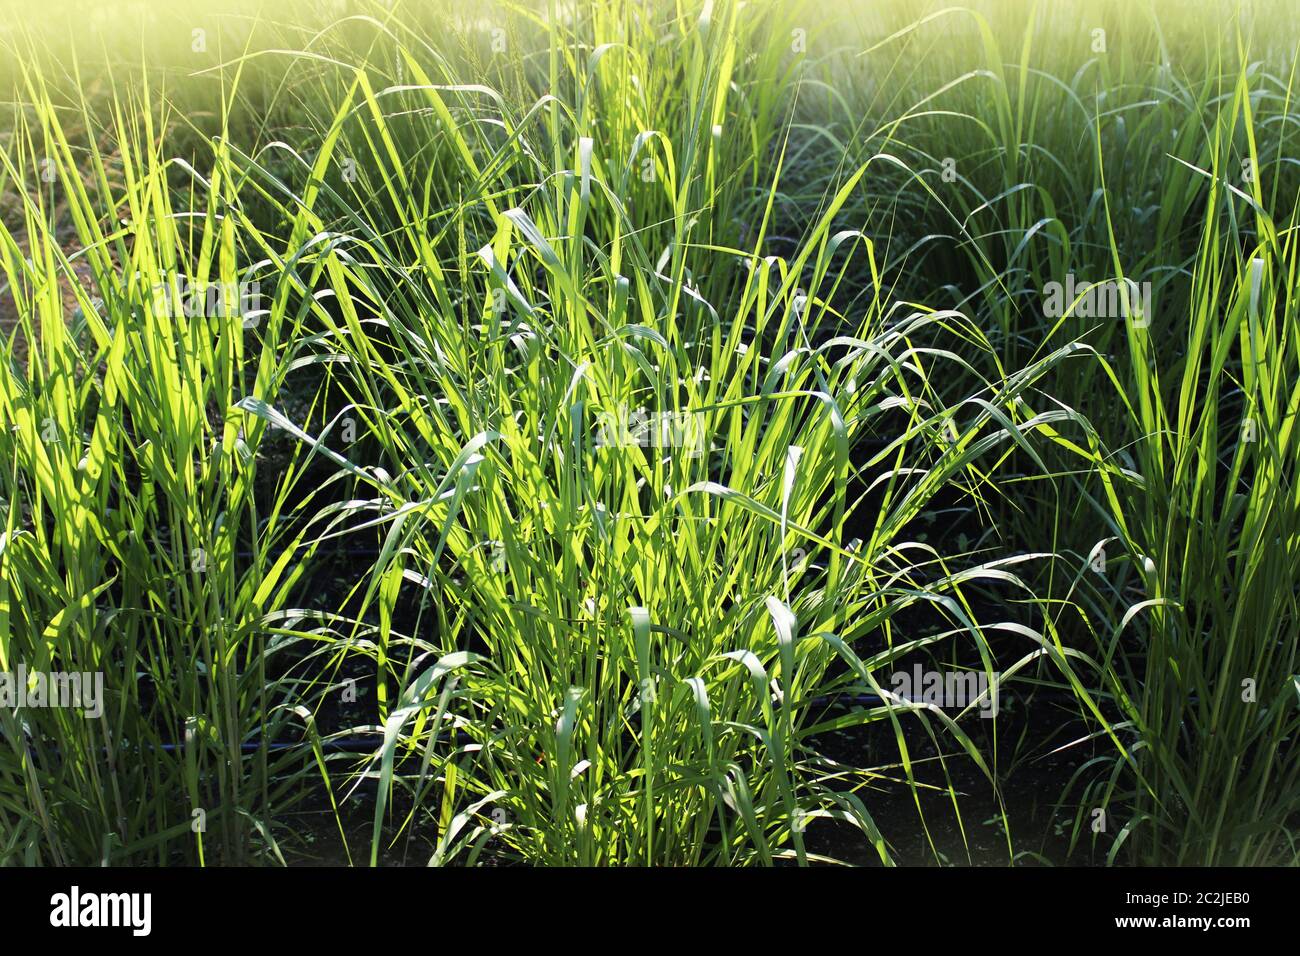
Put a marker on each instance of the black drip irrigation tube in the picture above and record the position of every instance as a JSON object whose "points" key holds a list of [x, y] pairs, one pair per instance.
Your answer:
{"points": [[359, 745], [354, 745], [347, 745], [829, 699]]}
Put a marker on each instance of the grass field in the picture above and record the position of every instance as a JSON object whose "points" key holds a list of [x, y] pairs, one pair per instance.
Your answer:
{"points": [[650, 433]]}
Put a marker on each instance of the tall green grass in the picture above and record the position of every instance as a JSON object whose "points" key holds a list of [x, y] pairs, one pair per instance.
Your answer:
{"points": [[139, 542], [618, 654], [671, 335], [1157, 152]]}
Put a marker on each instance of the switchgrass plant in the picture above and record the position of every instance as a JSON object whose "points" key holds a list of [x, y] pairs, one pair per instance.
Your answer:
{"points": [[624, 660], [622, 511], [1089, 143], [648, 350], [1212, 533], [137, 543]]}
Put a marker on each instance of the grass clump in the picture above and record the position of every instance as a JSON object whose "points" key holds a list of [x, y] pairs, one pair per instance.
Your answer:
{"points": [[670, 377]]}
